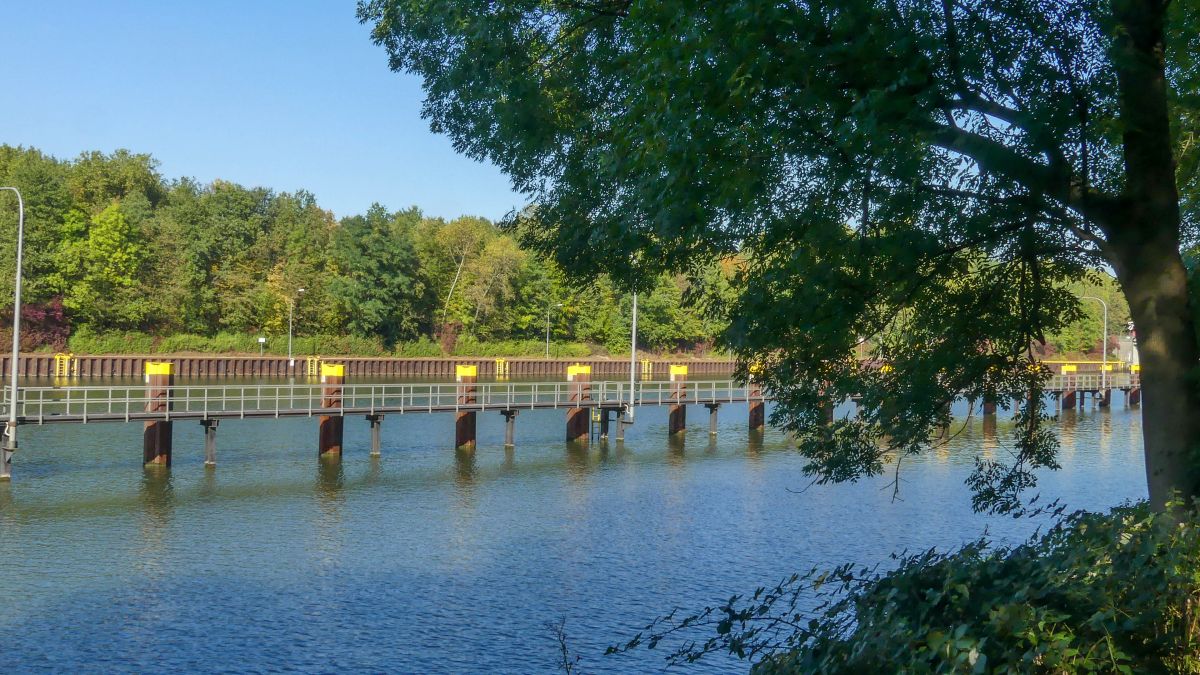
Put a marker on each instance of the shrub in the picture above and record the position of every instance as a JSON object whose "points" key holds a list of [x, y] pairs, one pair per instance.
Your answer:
{"points": [[469, 346], [84, 341], [1115, 592], [422, 347]]}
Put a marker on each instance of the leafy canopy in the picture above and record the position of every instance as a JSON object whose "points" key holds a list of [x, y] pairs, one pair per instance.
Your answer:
{"points": [[925, 175]]}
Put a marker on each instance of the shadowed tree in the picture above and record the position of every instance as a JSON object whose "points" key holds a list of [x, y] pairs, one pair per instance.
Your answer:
{"points": [[929, 174]]}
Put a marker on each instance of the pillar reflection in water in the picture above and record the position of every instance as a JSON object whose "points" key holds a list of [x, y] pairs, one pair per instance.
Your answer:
{"points": [[331, 478], [156, 495], [578, 460], [990, 439], [675, 449], [464, 467], [374, 469], [1068, 419], [754, 443]]}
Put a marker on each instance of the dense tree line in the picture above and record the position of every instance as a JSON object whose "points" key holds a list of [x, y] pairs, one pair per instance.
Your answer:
{"points": [[113, 246]]}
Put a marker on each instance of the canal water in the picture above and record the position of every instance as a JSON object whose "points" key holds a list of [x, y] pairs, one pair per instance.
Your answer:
{"points": [[426, 561]]}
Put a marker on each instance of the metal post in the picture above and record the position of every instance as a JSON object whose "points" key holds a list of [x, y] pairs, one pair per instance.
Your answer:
{"points": [[632, 362], [9, 446], [376, 421], [210, 441], [1104, 346], [291, 309], [712, 417], [509, 427]]}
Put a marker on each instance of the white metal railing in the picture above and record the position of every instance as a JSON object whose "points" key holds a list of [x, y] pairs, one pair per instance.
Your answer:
{"points": [[199, 401], [127, 403], [1093, 381]]}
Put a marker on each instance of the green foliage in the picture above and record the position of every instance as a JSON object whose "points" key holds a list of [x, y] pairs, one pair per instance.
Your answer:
{"points": [[100, 259], [1083, 336], [1115, 592], [471, 347], [212, 267], [85, 341], [933, 182], [423, 347], [377, 282]]}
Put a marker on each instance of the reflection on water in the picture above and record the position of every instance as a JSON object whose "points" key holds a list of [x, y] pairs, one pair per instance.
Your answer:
{"points": [[433, 560]]}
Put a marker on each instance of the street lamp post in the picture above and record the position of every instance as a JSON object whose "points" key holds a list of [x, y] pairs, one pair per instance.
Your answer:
{"points": [[9, 446], [632, 360], [548, 308], [1104, 346], [291, 307]]}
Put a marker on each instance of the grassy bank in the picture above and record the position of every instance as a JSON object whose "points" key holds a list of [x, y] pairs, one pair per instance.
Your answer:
{"points": [[328, 345]]}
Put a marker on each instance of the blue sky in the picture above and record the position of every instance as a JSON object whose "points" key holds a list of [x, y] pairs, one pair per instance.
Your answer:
{"points": [[286, 95]]}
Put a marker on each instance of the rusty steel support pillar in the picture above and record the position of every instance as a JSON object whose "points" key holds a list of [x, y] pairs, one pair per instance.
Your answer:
{"points": [[330, 427], [621, 424], [376, 421], [712, 417], [989, 406], [758, 414], [1067, 400], [156, 435], [464, 420], [1105, 398], [210, 441], [604, 423], [1134, 397], [827, 410], [510, 425], [578, 419], [677, 415]]}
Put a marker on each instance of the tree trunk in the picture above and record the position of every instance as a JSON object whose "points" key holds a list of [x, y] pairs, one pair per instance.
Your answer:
{"points": [[1153, 277], [1143, 238]]}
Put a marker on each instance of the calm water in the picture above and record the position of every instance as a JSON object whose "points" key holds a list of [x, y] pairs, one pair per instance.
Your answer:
{"points": [[422, 561]]}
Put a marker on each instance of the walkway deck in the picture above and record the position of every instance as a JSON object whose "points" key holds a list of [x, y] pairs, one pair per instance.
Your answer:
{"points": [[85, 405]]}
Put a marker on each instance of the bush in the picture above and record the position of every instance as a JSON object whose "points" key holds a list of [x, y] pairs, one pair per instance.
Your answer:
{"points": [[469, 346], [420, 348], [1115, 592], [84, 341]]}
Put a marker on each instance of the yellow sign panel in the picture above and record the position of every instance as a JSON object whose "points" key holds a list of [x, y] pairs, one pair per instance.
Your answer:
{"points": [[1135, 368], [1068, 369], [466, 370], [578, 369], [158, 368], [679, 370], [333, 370]]}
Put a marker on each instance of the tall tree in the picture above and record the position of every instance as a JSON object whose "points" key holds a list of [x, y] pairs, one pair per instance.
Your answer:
{"points": [[102, 258], [934, 172], [376, 284]]}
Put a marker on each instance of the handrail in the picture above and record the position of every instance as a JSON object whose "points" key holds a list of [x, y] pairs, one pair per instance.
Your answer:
{"points": [[88, 403]]}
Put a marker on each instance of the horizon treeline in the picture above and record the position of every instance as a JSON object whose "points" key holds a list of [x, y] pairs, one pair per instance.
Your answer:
{"points": [[112, 246]]}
